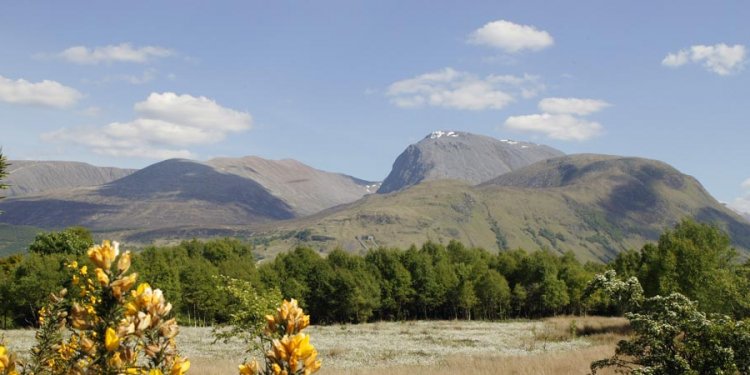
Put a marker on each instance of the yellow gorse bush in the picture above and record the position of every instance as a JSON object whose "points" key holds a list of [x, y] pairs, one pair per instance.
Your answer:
{"points": [[290, 351], [110, 328], [105, 324], [7, 362]]}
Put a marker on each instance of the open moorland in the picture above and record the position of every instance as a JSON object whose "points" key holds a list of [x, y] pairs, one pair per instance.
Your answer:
{"points": [[563, 345]]}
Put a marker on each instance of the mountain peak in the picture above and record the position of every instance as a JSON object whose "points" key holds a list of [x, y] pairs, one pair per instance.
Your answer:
{"points": [[468, 157], [442, 133]]}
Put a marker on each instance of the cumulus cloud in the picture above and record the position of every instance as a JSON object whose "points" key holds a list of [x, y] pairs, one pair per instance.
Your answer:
{"points": [[572, 106], [562, 127], [45, 93], [124, 52], [166, 125], [562, 119], [450, 88], [511, 37], [720, 58]]}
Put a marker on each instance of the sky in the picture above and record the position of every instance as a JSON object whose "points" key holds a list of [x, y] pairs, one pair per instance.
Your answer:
{"points": [[345, 86]]}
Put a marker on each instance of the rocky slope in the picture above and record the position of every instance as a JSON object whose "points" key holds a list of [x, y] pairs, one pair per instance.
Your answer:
{"points": [[461, 156]]}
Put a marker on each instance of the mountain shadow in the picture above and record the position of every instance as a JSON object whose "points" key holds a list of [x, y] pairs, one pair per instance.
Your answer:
{"points": [[185, 180]]}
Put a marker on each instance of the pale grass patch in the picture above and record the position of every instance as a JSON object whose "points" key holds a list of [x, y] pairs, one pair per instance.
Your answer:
{"points": [[421, 347]]}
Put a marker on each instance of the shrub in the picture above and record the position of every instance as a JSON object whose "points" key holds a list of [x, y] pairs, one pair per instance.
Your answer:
{"points": [[289, 351], [672, 336], [100, 325]]}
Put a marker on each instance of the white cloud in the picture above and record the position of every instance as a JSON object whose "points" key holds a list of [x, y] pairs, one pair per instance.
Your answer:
{"points": [[563, 127], [450, 88], [167, 123], [147, 76], [746, 184], [719, 58], [124, 52], [674, 60], [45, 93], [571, 106], [511, 37], [198, 112], [562, 119]]}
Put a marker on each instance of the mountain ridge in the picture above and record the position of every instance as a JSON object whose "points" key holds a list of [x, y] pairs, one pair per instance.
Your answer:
{"points": [[27, 177], [611, 204]]}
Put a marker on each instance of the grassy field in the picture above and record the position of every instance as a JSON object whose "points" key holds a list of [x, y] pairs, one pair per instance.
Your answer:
{"points": [[552, 346]]}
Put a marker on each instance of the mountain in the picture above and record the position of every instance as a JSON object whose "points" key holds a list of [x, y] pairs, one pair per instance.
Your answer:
{"points": [[307, 190], [461, 156], [175, 194], [34, 177], [593, 205]]}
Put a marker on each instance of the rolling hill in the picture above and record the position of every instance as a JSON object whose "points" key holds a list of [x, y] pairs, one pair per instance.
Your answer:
{"points": [[35, 177], [593, 205], [181, 193]]}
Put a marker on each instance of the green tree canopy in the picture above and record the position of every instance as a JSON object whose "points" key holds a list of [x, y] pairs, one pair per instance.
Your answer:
{"points": [[71, 241]]}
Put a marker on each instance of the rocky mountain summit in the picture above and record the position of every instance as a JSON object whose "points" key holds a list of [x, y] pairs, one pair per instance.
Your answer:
{"points": [[461, 156]]}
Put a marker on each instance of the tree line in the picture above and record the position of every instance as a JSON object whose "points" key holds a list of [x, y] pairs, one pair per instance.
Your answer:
{"points": [[433, 281]]}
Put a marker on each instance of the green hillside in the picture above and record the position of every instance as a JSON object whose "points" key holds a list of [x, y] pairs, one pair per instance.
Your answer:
{"points": [[593, 205], [16, 239]]}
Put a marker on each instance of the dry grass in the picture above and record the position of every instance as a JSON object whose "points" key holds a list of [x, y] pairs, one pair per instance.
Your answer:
{"points": [[416, 348]]}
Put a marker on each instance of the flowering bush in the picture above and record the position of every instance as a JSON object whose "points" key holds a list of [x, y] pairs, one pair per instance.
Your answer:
{"points": [[672, 336], [289, 351], [109, 326]]}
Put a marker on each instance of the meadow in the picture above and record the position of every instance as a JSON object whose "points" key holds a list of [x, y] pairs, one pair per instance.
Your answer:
{"points": [[561, 345]]}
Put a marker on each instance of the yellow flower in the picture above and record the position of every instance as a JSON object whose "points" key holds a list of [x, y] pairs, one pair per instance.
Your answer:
{"points": [[289, 316], [155, 371], [250, 368], [116, 360], [111, 340], [4, 360], [123, 264], [101, 276], [180, 366], [103, 255], [123, 285], [84, 270]]}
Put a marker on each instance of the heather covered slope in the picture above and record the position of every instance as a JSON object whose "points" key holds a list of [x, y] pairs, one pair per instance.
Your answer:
{"points": [[461, 156], [593, 205]]}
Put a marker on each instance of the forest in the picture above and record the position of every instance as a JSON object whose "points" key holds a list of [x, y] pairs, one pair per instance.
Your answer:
{"points": [[432, 281]]}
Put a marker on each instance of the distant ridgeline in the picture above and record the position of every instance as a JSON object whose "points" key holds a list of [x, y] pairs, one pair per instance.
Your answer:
{"points": [[429, 282], [484, 192]]}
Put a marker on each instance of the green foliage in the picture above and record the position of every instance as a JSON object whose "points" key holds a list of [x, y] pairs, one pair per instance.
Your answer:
{"points": [[247, 308], [71, 241], [30, 283], [672, 336], [494, 296], [434, 281], [695, 260]]}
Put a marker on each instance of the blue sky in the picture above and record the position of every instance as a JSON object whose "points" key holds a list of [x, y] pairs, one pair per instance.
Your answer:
{"points": [[345, 86]]}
